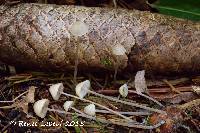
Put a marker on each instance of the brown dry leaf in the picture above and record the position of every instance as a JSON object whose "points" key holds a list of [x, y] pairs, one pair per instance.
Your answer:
{"points": [[140, 82], [30, 97], [172, 118], [21, 104]]}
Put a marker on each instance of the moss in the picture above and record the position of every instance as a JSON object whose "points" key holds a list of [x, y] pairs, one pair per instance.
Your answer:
{"points": [[106, 62]]}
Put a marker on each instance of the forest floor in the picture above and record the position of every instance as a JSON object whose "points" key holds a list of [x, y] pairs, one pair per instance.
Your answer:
{"points": [[178, 95]]}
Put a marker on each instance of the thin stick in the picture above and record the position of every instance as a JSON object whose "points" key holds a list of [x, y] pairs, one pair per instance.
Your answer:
{"points": [[7, 107], [14, 98], [171, 86]]}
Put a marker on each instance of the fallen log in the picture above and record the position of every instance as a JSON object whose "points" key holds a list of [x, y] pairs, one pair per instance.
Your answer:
{"points": [[37, 36]]}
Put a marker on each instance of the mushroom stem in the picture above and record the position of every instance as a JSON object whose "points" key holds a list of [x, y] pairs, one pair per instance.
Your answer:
{"points": [[76, 61], [56, 110], [14, 98], [148, 97], [85, 100], [116, 69], [124, 113], [78, 111], [127, 103]]}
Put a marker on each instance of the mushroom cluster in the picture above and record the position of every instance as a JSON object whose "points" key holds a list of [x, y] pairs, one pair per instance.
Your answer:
{"points": [[82, 89]]}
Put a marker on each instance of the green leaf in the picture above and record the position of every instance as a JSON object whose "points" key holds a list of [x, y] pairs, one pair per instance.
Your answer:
{"points": [[187, 9], [75, 118]]}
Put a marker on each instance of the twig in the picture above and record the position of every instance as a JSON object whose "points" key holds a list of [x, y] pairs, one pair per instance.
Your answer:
{"points": [[171, 86], [14, 98]]}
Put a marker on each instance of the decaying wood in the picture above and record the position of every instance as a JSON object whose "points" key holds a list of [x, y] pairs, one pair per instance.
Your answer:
{"points": [[37, 36]]}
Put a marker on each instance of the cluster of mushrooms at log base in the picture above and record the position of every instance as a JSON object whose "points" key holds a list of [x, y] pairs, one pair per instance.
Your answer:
{"points": [[56, 90]]}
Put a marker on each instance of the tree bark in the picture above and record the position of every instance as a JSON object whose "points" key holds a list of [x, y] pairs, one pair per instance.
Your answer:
{"points": [[37, 36]]}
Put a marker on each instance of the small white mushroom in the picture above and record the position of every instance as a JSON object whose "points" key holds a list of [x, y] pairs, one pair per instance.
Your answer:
{"points": [[90, 110], [82, 88], [123, 90], [56, 90], [79, 28], [41, 107], [67, 105], [118, 50]]}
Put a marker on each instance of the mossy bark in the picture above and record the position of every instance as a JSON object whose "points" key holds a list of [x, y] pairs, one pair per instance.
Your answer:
{"points": [[37, 36]]}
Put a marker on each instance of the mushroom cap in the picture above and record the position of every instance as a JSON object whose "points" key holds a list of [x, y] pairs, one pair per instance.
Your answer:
{"points": [[118, 50], [123, 90], [90, 110], [56, 90], [79, 28], [82, 88], [40, 107], [67, 105]]}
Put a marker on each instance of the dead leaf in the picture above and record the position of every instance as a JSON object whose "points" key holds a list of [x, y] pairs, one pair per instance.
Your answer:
{"points": [[140, 82], [30, 97], [171, 118], [21, 104]]}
